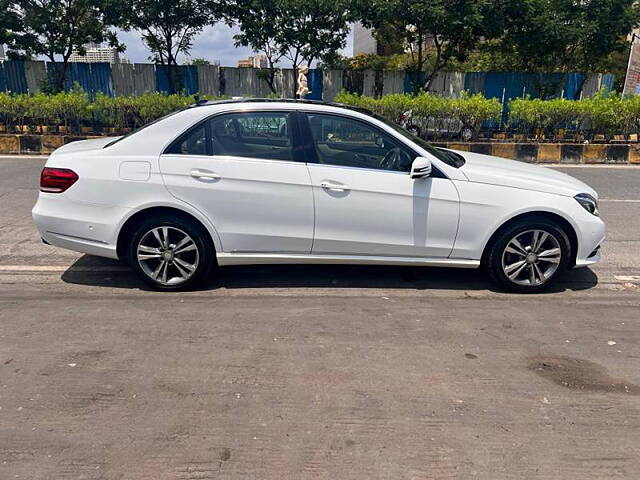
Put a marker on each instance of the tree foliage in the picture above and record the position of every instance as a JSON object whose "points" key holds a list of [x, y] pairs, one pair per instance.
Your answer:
{"points": [[562, 35], [168, 27], [299, 30], [57, 28], [451, 28]]}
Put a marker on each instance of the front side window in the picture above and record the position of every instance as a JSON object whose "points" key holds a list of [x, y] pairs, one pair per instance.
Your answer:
{"points": [[264, 135], [352, 143]]}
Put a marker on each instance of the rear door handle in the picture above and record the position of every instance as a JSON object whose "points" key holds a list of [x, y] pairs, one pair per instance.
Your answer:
{"points": [[334, 186], [204, 174]]}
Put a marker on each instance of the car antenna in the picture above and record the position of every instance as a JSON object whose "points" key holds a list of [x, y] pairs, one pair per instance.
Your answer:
{"points": [[199, 101]]}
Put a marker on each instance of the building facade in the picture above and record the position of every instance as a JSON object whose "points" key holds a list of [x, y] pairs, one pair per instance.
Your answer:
{"points": [[96, 53], [257, 61]]}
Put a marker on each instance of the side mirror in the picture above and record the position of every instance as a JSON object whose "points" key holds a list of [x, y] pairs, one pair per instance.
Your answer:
{"points": [[420, 168]]}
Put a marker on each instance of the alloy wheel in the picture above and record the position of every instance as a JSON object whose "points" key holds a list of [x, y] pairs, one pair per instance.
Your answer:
{"points": [[531, 258], [167, 255]]}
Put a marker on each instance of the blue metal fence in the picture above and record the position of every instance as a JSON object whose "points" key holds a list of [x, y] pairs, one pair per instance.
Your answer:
{"points": [[186, 79], [15, 79], [315, 83], [99, 77], [3, 78]]}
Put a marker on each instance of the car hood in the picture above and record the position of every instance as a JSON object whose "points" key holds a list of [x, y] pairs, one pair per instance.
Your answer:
{"points": [[85, 145], [512, 173]]}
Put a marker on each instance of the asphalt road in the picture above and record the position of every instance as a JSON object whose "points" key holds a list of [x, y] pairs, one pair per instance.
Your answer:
{"points": [[317, 372]]}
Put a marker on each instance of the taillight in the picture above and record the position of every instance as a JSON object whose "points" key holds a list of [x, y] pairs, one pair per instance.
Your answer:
{"points": [[56, 180]]}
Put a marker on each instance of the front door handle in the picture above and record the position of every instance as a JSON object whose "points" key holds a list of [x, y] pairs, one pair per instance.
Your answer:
{"points": [[334, 186], [204, 174]]}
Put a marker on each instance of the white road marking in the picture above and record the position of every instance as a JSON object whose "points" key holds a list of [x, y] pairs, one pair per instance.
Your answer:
{"points": [[618, 200], [59, 268], [43, 156], [627, 278], [590, 165]]}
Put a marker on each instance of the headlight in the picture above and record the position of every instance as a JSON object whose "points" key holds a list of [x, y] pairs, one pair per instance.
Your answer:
{"points": [[589, 203]]}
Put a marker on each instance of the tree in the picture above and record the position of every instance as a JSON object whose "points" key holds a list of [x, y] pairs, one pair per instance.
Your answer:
{"points": [[300, 30], [57, 28], [168, 28], [313, 29], [570, 35], [258, 30], [9, 21], [199, 61], [451, 29]]}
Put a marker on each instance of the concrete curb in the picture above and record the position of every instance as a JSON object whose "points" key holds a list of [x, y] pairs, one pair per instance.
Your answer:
{"points": [[34, 144], [555, 153]]}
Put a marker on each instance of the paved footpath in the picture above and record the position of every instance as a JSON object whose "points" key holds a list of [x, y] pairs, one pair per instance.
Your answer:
{"points": [[321, 372]]}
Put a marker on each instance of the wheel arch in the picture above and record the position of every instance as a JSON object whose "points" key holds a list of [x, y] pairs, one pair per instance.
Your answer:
{"points": [[130, 223], [562, 222]]}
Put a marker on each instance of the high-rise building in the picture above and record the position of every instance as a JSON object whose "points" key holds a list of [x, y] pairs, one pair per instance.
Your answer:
{"points": [[384, 42], [96, 53], [258, 61], [2, 55], [363, 40]]}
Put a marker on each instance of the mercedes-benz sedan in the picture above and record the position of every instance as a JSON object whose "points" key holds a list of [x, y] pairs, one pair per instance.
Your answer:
{"points": [[268, 182]]}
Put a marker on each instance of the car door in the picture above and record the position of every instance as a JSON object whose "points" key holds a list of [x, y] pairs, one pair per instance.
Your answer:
{"points": [[366, 203], [241, 170]]}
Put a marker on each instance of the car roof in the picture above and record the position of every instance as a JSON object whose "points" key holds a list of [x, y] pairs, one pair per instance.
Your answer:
{"points": [[201, 103]]}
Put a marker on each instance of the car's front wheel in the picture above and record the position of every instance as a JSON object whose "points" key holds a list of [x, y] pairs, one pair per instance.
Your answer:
{"points": [[529, 255], [170, 253]]}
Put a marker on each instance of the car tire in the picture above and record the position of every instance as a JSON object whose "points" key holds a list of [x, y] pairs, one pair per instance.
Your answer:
{"points": [[170, 252], [414, 129], [527, 256], [466, 134]]}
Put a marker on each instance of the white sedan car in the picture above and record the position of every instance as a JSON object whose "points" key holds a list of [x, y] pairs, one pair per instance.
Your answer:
{"points": [[268, 182]]}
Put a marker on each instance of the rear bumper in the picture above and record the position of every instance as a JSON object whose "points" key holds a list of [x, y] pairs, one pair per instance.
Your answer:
{"points": [[81, 227]]}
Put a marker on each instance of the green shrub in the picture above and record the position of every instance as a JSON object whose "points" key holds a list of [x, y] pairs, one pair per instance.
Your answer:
{"points": [[471, 110], [606, 113], [603, 114], [71, 108], [74, 109], [528, 115]]}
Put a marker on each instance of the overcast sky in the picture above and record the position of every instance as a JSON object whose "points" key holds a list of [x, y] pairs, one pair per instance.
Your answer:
{"points": [[214, 43]]}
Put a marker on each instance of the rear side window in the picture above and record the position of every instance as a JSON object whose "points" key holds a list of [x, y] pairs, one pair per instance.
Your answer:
{"points": [[194, 142], [264, 135]]}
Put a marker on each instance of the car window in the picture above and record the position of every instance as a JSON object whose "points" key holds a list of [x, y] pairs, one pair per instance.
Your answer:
{"points": [[264, 135], [193, 142], [352, 143], [450, 158]]}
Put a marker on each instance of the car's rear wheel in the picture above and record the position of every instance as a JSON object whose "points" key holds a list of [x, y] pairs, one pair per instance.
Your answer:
{"points": [[528, 255], [170, 253]]}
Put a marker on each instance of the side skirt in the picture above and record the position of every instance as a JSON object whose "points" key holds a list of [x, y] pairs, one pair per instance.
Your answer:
{"points": [[286, 258]]}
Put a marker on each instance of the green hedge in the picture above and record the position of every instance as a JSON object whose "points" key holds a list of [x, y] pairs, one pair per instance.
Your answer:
{"points": [[27, 113], [470, 110], [606, 114]]}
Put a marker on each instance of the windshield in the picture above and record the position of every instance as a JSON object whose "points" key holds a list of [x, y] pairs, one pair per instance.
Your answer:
{"points": [[448, 157]]}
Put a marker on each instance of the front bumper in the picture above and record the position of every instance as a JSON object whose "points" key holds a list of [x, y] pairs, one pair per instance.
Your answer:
{"points": [[81, 227], [591, 235]]}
